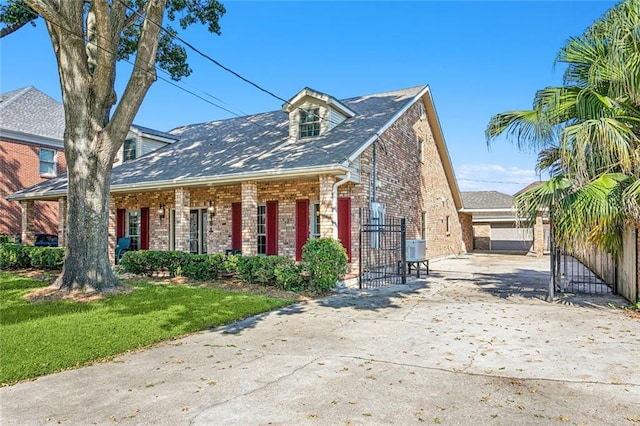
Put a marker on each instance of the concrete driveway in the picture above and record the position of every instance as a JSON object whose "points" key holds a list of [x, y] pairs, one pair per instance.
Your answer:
{"points": [[473, 343]]}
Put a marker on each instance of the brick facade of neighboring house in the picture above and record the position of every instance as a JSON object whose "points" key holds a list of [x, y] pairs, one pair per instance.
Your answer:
{"points": [[20, 168], [31, 152], [254, 184]]}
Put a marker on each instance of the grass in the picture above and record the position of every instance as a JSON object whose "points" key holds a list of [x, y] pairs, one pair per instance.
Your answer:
{"points": [[42, 338]]}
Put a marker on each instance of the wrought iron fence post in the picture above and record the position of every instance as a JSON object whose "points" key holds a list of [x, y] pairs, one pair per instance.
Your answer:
{"points": [[360, 259], [403, 248]]}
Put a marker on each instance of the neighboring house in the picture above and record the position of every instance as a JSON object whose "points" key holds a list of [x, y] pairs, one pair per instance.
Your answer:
{"points": [[495, 224], [31, 152], [266, 183]]}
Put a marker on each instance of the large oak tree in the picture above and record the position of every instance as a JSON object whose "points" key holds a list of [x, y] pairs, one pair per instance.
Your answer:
{"points": [[89, 37]]}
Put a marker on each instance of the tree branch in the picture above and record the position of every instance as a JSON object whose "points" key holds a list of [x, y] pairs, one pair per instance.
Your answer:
{"points": [[11, 28], [144, 71]]}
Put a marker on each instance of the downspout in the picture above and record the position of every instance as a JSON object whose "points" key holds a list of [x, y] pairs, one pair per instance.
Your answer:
{"points": [[334, 207]]}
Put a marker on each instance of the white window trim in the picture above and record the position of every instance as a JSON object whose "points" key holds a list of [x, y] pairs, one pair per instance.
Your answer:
{"points": [[258, 235], [127, 227], [314, 218], [55, 162]]}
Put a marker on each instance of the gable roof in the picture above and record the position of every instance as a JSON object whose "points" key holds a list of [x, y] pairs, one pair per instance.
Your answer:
{"points": [[486, 200], [30, 115], [153, 133], [258, 147]]}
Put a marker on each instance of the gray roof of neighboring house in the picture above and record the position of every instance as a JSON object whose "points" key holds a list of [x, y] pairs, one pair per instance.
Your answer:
{"points": [[486, 200], [31, 112], [256, 144]]}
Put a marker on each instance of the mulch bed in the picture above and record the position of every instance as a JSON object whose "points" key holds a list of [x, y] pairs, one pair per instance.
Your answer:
{"points": [[52, 293]]}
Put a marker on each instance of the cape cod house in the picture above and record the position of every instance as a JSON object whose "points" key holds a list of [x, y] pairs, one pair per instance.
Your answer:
{"points": [[265, 183]]}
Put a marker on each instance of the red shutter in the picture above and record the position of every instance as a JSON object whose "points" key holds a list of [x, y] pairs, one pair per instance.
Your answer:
{"points": [[120, 224], [236, 226], [272, 227], [344, 224], [302, 226], [144, 228]]}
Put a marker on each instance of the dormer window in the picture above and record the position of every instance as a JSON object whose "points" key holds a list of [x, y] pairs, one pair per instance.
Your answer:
{"points": [[130, 149], [309, 122]]}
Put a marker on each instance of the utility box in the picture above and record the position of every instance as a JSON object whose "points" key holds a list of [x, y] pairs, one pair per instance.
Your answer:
{"points": [[416, 250]]}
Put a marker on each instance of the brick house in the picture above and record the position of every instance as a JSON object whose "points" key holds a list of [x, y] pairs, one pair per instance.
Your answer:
{"points": [[32, 152], [265, 183]]}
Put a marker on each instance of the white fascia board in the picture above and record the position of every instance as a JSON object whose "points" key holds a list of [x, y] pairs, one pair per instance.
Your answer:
{"points": [[159, 138], [463, 210], [381, 130], [202, 181], [30, 138]]}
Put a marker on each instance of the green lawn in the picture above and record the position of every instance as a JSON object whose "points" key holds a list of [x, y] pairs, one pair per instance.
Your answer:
{"points": [[41, 338]]}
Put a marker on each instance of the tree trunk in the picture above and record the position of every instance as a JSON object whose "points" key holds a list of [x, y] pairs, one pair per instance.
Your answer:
{"points": [[85, 42], [87, 265]]}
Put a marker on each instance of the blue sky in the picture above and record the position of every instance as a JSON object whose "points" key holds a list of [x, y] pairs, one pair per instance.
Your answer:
{"points": [[478, 57]]}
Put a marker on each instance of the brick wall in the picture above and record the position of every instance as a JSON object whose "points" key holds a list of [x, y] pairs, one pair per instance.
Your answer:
{"points": [[409, 184], [19, 169], [467, 230], [481, 236]]}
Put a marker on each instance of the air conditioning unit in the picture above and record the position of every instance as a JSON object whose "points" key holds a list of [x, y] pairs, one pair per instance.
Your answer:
{"points": [[416, 250]]}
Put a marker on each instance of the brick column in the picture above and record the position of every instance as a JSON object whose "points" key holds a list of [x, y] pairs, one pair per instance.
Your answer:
{"points": [[328, 207], [183, 204], [28, 212], [62, 222], [538, 236], [111, 226], [249, 218]]}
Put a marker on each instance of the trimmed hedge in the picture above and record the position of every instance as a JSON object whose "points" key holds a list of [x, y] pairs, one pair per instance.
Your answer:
{"points": [[324, 262], [14, 256]]}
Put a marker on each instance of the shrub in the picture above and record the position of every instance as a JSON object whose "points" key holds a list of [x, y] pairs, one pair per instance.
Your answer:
{"points": [[288, 275], [260, 269], [13, 255], [325, 260], [45, 257]]}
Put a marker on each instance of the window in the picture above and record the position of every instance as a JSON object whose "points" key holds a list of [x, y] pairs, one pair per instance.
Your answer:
{"points": [[448, 224], [309, 122], [262, 229], [423, 229], [129, 149], [315, 220], [47, 162], [420, 149], [133, 228]]}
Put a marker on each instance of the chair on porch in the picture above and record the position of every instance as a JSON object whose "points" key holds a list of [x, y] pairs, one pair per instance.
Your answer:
{"points": [[123, 245]]}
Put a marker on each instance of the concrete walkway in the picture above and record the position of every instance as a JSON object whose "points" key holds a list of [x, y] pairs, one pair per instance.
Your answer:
{"points": [[473, 343]]}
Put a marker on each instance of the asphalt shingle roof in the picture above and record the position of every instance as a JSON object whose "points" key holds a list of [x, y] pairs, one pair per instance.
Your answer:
{"points": [[481, 200], [256, 143], [31, 112]]}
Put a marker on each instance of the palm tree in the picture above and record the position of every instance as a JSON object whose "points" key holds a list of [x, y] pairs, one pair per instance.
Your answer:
{"points": [[588, 134]]}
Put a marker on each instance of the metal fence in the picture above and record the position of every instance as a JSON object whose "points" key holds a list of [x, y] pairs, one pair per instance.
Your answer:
{"points": [[382, 250]]}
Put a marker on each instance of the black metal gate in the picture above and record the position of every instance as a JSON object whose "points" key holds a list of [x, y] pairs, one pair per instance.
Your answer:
{"points": [[572, 275], [382, 250], [570, 272]]}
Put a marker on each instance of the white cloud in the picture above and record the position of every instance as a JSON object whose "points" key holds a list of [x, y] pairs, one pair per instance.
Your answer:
{"points": [[494, 177]]}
